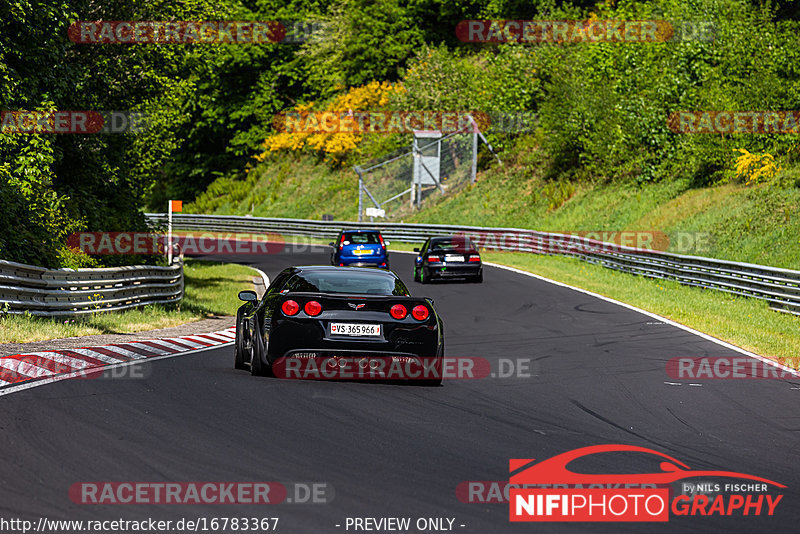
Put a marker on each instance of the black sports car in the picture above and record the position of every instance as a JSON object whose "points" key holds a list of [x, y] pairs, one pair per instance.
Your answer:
{"points": [[447, 257], [339, 322]]}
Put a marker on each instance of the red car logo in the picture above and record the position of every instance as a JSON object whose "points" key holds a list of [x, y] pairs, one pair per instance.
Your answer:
{"points": [[554, 470]]}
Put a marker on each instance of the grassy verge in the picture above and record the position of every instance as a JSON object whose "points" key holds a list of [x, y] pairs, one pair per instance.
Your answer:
{"points": [[293, 187], [210, 289]]}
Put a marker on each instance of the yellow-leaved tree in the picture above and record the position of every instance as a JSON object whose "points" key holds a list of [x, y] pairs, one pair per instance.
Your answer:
{"points": [[755, 168], [336, 146]]}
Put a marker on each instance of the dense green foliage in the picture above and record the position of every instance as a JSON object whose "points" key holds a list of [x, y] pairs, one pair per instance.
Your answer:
{"points": [[602, 108]]}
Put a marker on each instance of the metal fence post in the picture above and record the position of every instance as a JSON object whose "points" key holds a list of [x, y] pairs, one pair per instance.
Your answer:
{"points": [[360, 192], [474, 175], [169, 233]]}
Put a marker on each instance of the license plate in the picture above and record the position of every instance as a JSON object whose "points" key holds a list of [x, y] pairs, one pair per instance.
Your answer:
{"points": [[362, 252], [353, 329], [453, 258]]}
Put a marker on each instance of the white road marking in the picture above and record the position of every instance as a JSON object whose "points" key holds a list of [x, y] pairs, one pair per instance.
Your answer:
{"points": [[263, 277], [148, 348], [654, 316], [217, 336], [124, 352], [59, 358], [192, 344], [66, 376], [166, 344], [97, 356], [200, 339], [24, 368], [226, 334]]}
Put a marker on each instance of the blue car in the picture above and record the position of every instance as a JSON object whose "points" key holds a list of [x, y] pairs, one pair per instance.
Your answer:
{"points": [[360, 248]]}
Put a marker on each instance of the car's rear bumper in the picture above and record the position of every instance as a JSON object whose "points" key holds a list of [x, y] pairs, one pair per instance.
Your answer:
{"points": [[454, 271], [411, 339], [361, 263], [377, 256]]}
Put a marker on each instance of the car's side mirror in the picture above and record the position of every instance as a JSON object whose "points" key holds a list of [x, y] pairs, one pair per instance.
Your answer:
{"points": [[248, 296], [416, 250], [331, 244]]}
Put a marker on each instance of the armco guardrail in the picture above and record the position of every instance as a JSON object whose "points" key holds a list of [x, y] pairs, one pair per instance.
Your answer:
{"points": [[779, 287], [64, 292]]}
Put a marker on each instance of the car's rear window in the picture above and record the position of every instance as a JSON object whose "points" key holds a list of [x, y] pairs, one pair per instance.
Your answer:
{"points": [[361, 239], [455, 244], [349, 282]]}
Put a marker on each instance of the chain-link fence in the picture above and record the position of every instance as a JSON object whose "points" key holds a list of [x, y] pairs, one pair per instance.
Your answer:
{"points": [[407, 180]]}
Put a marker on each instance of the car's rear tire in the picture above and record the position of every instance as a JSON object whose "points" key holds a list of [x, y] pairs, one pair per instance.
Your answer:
{"points": [[257, 367], [238, 350], [478, 278], [422, 278], [416, 274]]}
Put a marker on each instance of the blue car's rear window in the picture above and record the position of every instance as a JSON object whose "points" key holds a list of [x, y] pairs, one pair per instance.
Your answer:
{"points": [[361, 239]]}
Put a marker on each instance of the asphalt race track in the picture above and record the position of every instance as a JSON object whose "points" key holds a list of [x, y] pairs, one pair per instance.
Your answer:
{"points": [[597, 376]]}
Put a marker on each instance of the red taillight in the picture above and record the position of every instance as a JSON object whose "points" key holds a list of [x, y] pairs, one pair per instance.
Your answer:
{"points": [[398, 311], [290, 307], [434, 259], [381, 238], [341, 245], [313, 308], [420, 312], [474, 257]]}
